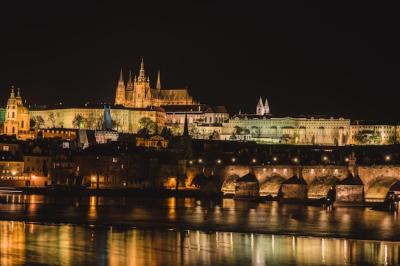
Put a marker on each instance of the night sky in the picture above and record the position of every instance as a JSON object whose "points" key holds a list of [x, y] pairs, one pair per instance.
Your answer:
{"points": [[307, 59]]}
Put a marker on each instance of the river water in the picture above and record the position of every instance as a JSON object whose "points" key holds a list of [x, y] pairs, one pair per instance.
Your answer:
{"points": [[44, 230]]}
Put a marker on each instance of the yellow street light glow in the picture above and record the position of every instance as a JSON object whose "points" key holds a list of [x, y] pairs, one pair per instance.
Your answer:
{"points": [[233, 159], [325, 158], [219, 161], [295, 159], [254, 160], [200, 160], [346, 159], [275, 159], [387, 158]]}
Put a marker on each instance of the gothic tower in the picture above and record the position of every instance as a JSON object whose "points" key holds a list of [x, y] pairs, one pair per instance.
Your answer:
{"points": [[266, 107], [120, 91], [129, 90], [142, 92], [260, 108]]}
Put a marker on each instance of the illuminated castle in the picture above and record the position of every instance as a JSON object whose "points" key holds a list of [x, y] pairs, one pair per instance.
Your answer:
{"points": [[138, 93]]}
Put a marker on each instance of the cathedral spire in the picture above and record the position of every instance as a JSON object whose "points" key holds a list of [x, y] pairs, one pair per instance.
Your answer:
{"points": [[158, 86], [142, 76], [18, 93], [266, 107], [260, 107]]}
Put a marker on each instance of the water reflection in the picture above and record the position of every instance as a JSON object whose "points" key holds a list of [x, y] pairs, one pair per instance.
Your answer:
{"points": [[22, 243], [203, 214]]}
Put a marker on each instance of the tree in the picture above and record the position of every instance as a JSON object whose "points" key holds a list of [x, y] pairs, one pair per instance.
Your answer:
{"points": [[37, 122], [147, 126], [166, 133], [194, 131], [79, 121], [256, 131], [115, 124], [368, 137], [238, 130], [51, 119], [215, 135], [91, 121]]}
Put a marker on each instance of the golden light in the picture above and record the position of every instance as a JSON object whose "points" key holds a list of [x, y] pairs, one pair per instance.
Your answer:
{"points": [[295, 159], [93, 179], [14, 172], [233, 159], [275, 159], [325, 158], [388, 158], [33, 177], [190, 162], [200, 160], [346, 159], [254, 160], [219, 161]]}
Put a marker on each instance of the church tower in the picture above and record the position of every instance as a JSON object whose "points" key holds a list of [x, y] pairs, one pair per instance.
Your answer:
{"points": [[17, 116], [260, 108], [120, 91], [266, 107], [142, 92], [129, 90]]}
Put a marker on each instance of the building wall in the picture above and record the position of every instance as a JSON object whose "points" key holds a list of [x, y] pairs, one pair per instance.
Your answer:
{"points": [[127, 120]]}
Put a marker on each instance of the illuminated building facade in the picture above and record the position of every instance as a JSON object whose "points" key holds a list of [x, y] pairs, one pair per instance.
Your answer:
{"points": [[17, 117], [138, 93]]}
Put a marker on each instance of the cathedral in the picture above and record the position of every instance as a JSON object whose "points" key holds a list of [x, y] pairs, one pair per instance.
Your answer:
{"points": [[138, 93]]}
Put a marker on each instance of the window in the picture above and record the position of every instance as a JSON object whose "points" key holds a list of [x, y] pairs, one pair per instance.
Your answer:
{"points": [[22, 124], [6, 148]]}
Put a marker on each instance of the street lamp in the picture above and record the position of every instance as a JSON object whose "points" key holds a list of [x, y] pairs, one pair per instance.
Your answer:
{"points": [[274, 158], [254, 160], [233, 159], [219, 161], [295, 160], [388, 158]]}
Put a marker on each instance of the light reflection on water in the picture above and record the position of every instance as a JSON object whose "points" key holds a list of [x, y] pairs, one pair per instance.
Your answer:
{"points": [[25, 243]]}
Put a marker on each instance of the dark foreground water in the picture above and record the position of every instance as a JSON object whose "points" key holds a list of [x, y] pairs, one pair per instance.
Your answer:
{"points": [[37, 244], [61, 230]]}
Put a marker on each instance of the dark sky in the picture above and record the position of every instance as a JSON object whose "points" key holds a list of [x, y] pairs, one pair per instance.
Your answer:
{"points": [[307, 59]]}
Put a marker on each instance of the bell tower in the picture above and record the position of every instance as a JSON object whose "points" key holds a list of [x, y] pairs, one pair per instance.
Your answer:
{"points": [[120, 91]]}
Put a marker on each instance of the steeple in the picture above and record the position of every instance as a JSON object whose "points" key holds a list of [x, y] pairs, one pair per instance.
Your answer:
{"points": [[120, 90], [18, 93], [12, 95], [129, 85], [158, 86], [266, 107], [260, 107], [142, 76]]}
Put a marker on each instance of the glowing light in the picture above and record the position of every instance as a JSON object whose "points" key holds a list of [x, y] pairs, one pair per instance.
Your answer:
{"points": [[346, 159], [295, 159], [219, 161], [275, 159], [200, 160], [254, 160], [233, 159], [388, 158], [325, 158]]}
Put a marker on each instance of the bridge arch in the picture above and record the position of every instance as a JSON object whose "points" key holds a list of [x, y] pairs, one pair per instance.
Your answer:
{"points": [[379, 188], [271, 185], [319, 187]]}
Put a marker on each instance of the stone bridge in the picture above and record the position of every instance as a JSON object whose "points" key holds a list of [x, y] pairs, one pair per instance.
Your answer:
{"points": [[377, 179]]}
